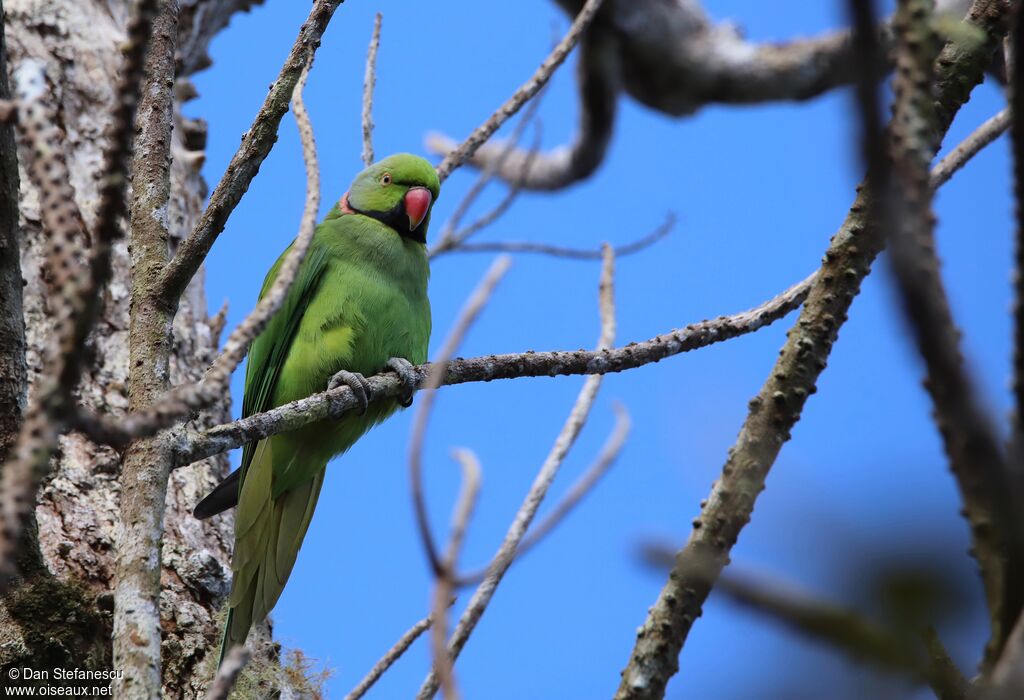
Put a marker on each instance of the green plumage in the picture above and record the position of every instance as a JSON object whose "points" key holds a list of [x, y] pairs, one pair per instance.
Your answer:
{"points": [[360, 298]]}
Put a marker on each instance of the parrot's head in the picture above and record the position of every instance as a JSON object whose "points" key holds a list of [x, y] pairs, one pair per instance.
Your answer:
{"points": [[398, 191]]}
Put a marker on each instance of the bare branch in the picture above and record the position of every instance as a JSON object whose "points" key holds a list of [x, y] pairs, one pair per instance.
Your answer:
{"points": [[847, 631], [369, 82], [463, 512], [334, 403], [580, 488], [530, 88], [778, 405], [448, 240], [538, 490], [187, 397], [446, 582], [227, 674], [435, 378], [456, 239], [598, 82], [244, 165], [944, 676], [989, 131], [571, 253], [146, 466], [670, 57], [968, 432], [393, 654], [238, 342]]}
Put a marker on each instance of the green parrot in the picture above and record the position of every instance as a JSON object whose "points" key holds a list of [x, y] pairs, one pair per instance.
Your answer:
{"points": [[358, 306]]}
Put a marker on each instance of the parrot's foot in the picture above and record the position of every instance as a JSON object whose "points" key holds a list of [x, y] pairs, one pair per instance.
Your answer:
{"points": [[357, 383], [403, 368]]}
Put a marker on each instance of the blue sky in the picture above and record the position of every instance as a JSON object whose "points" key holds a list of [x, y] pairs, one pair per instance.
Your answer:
{"points": [[758, 192]]}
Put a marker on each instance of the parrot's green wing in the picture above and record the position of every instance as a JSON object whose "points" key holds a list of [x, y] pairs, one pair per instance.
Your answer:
{"points": [[269, 350], [256, 585], [266, 357]]}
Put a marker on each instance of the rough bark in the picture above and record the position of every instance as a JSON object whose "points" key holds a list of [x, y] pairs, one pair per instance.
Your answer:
{"points": [[12, 326], [61, 612]]}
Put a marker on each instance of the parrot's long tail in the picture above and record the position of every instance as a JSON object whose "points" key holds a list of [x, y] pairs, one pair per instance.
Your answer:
{"points": [[268, 534], [223, 497], [225, 643]]}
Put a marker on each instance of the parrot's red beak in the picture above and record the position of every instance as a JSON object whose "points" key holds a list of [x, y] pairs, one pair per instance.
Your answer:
{"points": [[417, 204]]}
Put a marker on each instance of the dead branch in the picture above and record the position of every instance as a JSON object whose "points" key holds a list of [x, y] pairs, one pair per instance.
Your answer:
{"points": [[778, 405], [369, 82], [580, 488], [435, 378], [456, 239], [334, 403], [392, 655], [968, 432], [569, 253], [991, 129], [244, 165], [448, 239], [521, 96], [447, 581], [538, 490]]}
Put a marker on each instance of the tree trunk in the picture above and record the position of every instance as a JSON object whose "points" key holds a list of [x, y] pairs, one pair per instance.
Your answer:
{"points": [[59, 614]]}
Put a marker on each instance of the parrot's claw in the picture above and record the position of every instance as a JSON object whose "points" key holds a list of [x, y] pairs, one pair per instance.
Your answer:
{"points": [[403, 368], [357, 383]]}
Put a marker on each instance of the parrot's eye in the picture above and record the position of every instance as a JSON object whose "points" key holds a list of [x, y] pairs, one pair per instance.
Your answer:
{"points": [[385, 179]]}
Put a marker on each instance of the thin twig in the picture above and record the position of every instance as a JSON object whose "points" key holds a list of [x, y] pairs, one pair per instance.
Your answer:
{"points": [[447, 581], [228, 673], [530, 88], [435, 378], [459, 237], [369, 82], [580, 488], [991, 129], [447, 239], [334, 403], [238, 342], [569, 253], [244, 165], [538, 490], [392, 655], [598, 85]]}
